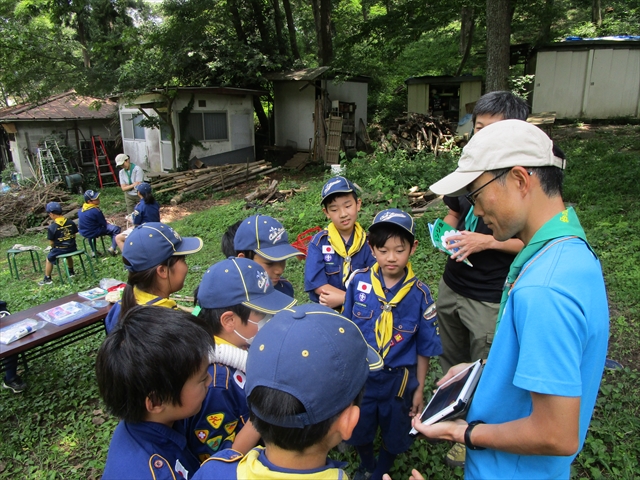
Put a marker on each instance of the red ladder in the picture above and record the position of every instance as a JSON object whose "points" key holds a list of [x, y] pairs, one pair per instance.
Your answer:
{"points": [[102, 162]]}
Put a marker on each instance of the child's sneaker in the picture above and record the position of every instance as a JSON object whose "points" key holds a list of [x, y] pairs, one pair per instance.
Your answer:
{"points": [[456, 456], [45, 281], [17, 385], [111, 251], [72, 273]]}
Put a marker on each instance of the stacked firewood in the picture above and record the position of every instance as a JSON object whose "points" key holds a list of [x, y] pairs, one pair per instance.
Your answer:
{"points": [[417, 132], [420, 202], [263, 196], [212, 178], [20, 205]]}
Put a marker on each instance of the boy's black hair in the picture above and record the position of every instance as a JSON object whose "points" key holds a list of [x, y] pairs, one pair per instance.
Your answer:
{"points": [[551, 178], [281, 404], [151, 352], [227, 243], [504, 103], [211, 316], [381, 232], [333, 196], [148, 198]]}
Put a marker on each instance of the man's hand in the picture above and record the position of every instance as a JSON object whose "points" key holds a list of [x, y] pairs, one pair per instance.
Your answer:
{"points": [[449, 430], [453, 371], [415, 475], [468, 243]]}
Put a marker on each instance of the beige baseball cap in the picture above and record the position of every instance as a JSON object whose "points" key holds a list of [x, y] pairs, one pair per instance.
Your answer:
{"points": [[503, 144], [121, 158]]}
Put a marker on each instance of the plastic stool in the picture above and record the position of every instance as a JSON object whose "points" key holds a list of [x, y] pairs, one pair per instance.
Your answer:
{"points": [[93, 245], [78, 253], [11, 255]]}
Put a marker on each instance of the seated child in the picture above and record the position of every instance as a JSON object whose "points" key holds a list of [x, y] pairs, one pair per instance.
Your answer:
{"points": [[235, 299], [62, 237], [91, 221], [397, 317], [147, 210], [338, 250], [155, 256], [305, 374], [152, 372], [264, 240]]}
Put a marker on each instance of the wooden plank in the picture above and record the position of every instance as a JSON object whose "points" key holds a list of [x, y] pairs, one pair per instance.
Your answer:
{"points": [[332, 156]]}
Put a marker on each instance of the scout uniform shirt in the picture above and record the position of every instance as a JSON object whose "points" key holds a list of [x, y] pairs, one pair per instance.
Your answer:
{"points": [[144, 213], [62, 232]]}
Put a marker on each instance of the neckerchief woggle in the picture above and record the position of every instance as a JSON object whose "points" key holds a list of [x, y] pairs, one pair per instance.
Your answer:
{"points": [[336, 241], [384, 323], [250, 468], [564, 224]]}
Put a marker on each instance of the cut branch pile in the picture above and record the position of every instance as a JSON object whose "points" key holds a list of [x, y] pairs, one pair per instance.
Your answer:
{"points": [[18, 206], [417, 132], [213, 178], [271, 194], [420, 202]]}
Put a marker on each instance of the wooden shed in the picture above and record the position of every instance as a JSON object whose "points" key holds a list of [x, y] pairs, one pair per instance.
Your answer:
{"points": [[444, 96], [592, 78]]}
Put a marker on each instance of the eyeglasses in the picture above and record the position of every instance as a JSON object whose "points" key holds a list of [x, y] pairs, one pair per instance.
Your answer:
{"points": [[471, 197]]}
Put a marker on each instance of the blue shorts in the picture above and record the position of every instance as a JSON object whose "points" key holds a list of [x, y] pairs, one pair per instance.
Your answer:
{"points": [[387, 404], [54, 252]]}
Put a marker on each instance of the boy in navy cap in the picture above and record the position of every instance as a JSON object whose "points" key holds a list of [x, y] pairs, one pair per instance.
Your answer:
{"points": [[397, 317], [235, 298], [62, 237], [339, 249], [147, 210], [305, 375], [263, 239], [152, 372], [91, 221]]}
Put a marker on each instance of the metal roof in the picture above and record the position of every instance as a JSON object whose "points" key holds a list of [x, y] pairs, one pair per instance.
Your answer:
{"points": [[66, 106], [442, 79]]}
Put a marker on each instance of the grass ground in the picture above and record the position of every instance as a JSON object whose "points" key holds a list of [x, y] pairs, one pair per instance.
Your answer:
{"points": [[58, 427]]}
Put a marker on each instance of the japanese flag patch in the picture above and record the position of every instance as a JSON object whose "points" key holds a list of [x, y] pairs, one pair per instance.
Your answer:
{"points": [[364, 287], [180, 470], [240, 378], [327, 250]]}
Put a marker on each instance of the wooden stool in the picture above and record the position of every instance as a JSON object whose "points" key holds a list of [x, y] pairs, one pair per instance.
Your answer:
{"points": [[11, 255], [78, 253], [93, 245]]}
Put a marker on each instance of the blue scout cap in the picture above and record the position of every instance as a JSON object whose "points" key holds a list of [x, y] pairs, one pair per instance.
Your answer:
{"points": [[266, 236], [143, 188], [90, 195], [53, 207], [396, 216], [238, 281], [150, 244], [337, 185], [314, 354]]}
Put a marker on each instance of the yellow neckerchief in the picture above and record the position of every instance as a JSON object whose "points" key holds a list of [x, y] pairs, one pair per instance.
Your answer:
{"points": [[144, 298], [250, 468], [222, 341], [60, 221], [88, 206], [337, 242], [384, 324]]}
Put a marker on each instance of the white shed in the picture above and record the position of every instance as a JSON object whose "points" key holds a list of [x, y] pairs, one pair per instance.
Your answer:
{"points": [[294, 102], [597, 78], [221, 119]]}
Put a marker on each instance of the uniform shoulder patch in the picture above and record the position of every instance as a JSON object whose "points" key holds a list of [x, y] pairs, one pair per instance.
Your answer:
{"points": [[319, 236], [228, 455], [240, 378], [430, 312]]}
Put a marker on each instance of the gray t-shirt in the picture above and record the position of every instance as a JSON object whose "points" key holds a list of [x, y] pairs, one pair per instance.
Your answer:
{"points": [[136, 176]]}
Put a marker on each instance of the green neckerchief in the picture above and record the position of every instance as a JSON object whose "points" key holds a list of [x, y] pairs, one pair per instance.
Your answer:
{"points": [[564, 224], [470, 221], [130, 171]]}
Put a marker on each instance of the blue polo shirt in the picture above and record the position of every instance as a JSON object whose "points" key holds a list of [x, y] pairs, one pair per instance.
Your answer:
{"points": [[92, 223], [324, 266], [415, 324], [225, 465], [223, 414], [148, 450], [144, 213]]}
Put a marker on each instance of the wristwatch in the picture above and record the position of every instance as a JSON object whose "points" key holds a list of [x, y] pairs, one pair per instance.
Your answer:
{"points": [[467, 435]]}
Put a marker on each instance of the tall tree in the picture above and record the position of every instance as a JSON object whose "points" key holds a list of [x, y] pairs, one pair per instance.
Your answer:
{"points": [[498, 43], [292, 30]]}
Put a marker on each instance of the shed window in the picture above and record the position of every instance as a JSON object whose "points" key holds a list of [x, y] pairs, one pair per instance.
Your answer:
{"points": [[206, 126], [131, 127]]}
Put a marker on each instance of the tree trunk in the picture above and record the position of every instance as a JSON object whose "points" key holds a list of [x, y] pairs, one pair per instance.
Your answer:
{"points": [[258, 15], [292, 30], [236, 20], [262, 117], [327, 45], [544, 36], [277, 17], [467, 26], [596, 13], [82, 38], [315, 7], [498, 42]]}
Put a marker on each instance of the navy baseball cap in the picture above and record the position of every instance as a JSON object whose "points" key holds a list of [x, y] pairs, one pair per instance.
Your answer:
{"points": [[53, 207], [236, 281], [397, 217], [266, 236], [314, 354], [90, 195], [337, 185], [143, 188], [150, 244]]}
